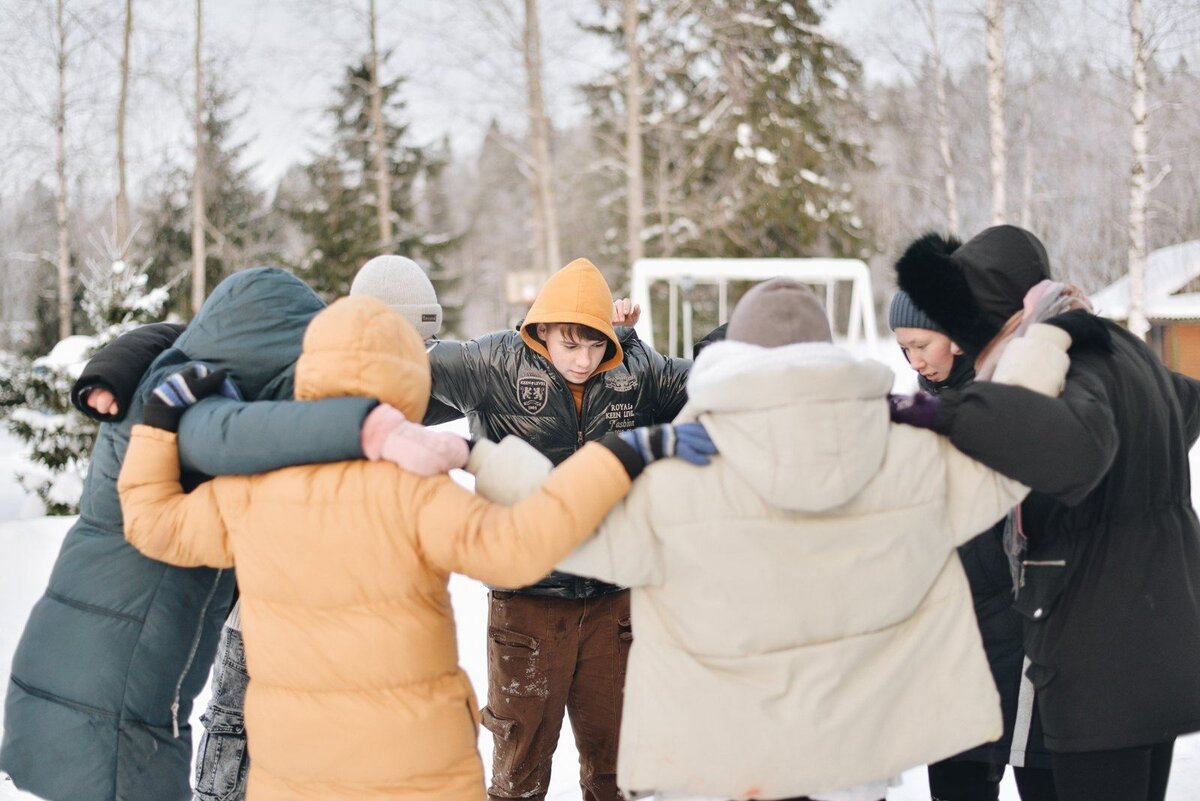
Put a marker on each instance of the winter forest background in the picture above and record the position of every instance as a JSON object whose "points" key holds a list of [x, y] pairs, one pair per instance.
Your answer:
{"points": [[152, 147], [149, 148]]}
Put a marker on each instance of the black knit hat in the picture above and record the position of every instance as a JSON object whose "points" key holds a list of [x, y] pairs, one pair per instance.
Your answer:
{"points": [[903, 313], [971, 290]]}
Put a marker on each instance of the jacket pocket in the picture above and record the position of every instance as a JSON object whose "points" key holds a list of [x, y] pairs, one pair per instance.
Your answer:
{"points": [[222, 761], [509, 643], [1041, 583], [515, 665]]}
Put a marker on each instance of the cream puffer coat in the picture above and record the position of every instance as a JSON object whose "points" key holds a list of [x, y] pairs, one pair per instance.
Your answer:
{"points": [[355, 689], [802, 623]]}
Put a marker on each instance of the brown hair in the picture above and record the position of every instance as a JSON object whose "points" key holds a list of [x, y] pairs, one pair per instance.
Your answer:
{"points": [[578, 332]]}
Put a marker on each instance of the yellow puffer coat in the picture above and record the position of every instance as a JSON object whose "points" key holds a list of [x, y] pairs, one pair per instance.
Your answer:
{"points": [[355, 688]]}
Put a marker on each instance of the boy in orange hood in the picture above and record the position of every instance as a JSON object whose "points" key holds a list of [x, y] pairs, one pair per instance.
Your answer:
{"points": [[564, 378], [343, 567]]}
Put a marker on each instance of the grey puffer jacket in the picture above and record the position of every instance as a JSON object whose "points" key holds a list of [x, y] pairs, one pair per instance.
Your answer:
{"points": [[119, 645], [504, 387]]}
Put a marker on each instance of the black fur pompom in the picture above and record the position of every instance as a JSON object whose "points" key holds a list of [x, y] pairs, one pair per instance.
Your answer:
{"points": [[936, 283]]}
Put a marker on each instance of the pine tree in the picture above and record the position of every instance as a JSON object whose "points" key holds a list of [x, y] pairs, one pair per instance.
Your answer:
{"points": [[238, 226], [746, 109], [36, 393], [338, 211]]}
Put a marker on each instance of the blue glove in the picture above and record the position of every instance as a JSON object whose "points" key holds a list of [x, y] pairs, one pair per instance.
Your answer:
{"points": [[687, 441], [170, 399]]}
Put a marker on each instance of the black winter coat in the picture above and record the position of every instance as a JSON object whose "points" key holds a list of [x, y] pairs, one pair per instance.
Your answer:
{"points": [[504, 387], [1109, 581], [120, 365], [986, 564]]}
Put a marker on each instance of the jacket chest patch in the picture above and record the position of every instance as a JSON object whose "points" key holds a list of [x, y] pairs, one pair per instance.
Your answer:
{"points": [[532, 392], [621, 416], [620, 381]]}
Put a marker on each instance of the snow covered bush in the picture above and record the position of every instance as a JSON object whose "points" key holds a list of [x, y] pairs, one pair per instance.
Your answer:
{"points": [[36, 394], [10, 395]]}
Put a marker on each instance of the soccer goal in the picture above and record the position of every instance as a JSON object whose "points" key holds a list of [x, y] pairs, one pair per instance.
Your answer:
{"points": [[683, 277]]}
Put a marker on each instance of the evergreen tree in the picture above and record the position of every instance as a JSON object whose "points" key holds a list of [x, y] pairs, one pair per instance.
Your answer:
{"points": [[746, 119], [239, 230], [338, 212], [35, 394]]}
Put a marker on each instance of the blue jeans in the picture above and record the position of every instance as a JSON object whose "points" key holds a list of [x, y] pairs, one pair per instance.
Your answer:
{"points": [[222, 762]]}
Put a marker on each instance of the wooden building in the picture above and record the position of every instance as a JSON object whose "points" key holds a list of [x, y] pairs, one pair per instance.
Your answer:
{"points": [[1172, 305]]}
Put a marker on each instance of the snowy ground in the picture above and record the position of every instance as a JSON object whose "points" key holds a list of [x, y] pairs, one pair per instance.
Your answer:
{"points": [[29, 545]]}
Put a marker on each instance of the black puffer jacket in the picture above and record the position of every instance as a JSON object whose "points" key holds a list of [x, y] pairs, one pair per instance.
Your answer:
{"points": [[120, 365], [986, 565], [504, 387], [1109, 581]]}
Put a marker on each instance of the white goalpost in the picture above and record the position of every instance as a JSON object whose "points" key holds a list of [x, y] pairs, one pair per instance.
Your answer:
{"points": [[684, 273]]}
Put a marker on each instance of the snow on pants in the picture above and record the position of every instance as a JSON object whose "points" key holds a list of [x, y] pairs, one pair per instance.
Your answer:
{"points": [[222, 761], [546, 656]]}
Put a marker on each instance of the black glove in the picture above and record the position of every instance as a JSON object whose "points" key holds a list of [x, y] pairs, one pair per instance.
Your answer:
{"points": [[638, 447], [170, 399], [1084, 328]]}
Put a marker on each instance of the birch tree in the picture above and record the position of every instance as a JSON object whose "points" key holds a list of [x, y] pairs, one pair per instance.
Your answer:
{"points": [[994, 23], [546, 246], [1138, 192], [383, 183], [65, 292], [634, 193], [121, 210], [199, 256], [943, 115]]}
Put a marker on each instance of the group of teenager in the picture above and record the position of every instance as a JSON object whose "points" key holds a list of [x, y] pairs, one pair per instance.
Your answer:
{"points": [[758, 575]]}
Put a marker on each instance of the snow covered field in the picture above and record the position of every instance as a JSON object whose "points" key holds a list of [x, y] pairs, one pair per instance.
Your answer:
{"points": [[29, 545]]}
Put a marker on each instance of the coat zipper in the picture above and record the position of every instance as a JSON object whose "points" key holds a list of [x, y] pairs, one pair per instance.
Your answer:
{"points": [[579, 416], [192, 654]]}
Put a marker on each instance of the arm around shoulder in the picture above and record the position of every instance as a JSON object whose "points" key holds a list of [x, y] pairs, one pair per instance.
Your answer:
{"points": [[162, 521], [515, 546], [624, 550], [459, 371], [119, 366], [219, 436]]}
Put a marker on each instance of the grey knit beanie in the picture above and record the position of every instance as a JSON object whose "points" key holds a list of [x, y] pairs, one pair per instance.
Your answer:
{"points": [[903, 313], [401, 284], [779, 312]]}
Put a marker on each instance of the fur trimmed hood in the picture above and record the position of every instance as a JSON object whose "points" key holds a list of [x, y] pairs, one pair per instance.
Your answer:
{"points": [[972, 289]]}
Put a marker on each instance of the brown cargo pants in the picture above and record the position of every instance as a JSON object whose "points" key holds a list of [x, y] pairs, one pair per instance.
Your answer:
{"points": [[546, 656]]}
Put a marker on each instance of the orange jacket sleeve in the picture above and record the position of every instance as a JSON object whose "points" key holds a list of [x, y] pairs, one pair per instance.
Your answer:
{"points": [[515, 546], [161, 521]]}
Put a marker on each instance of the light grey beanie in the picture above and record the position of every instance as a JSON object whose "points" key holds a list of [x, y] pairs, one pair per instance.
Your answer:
{"points": [[401, 284], [779, 312]]}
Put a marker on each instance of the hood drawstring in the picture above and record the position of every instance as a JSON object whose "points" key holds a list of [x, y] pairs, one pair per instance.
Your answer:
{"points": [[192, 654]]}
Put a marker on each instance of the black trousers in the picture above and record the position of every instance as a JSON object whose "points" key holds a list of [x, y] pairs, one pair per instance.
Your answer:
{"points": [[1130, 774], [980, 781]]}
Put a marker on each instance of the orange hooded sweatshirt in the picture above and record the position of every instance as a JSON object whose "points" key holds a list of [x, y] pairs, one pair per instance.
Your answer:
{"points": [[577, 293]]}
